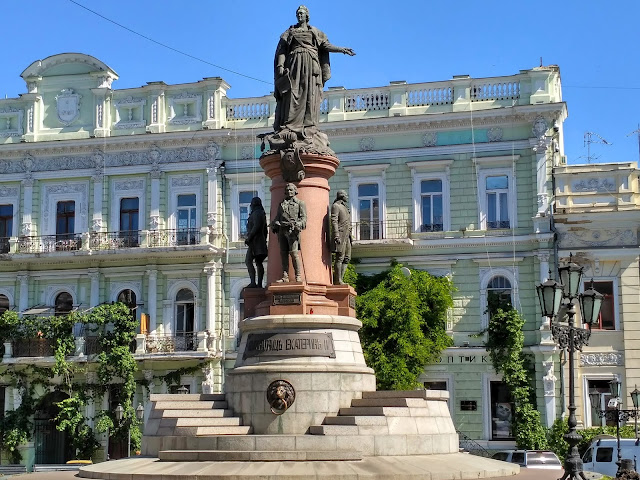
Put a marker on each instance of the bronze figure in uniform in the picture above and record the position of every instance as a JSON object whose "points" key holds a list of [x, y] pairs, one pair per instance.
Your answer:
{"points": [[289, 221], [341, 238], [256, 241]]}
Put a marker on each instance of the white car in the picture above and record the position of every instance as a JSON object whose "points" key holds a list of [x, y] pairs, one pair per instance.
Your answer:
{"points": [[530, 458]]}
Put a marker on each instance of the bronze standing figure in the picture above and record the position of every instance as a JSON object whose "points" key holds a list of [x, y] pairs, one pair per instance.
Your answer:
{"points": [[341, 239], [289, 221], [257, 242]]}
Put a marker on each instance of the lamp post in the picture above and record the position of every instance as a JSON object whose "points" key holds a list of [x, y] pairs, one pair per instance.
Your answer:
{"points": [[618, 415], [119, 412], [635, 398], [551, 294]]}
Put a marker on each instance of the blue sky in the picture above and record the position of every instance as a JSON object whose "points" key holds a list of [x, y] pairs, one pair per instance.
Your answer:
{"points": [[595, 43]]}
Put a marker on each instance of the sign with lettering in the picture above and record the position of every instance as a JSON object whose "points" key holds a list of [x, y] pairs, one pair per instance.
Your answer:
{"points": [[464, 359], [287, 299], [289, 345]]}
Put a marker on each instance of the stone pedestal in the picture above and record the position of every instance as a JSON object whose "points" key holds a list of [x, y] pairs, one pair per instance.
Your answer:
{"points": [[319, 355]]}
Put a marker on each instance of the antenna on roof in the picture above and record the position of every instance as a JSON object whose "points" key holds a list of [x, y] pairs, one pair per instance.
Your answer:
{"points": [[637, 131], [588, 140]]}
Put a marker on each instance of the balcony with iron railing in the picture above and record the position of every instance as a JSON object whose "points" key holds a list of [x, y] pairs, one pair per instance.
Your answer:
{"points": [[383, 230], [164, 343], [99, 241]]}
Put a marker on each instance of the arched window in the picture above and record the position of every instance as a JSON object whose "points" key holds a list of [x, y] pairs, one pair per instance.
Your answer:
{"points": [[4, 304], [64, 303], [185, 308], [128, 297], [499, 293]]}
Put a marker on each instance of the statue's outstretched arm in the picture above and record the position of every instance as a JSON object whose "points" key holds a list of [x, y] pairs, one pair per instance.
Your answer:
{"points": [[335, 49]]}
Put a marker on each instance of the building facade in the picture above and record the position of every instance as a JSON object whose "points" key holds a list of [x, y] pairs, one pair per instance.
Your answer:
{"points": [[141, 195]]}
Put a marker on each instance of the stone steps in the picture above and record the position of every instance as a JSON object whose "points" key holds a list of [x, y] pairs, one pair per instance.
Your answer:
{"points": [[200, 422], [384, 411], [256, 456], [355, 420], [389, 402], [192, 415]]}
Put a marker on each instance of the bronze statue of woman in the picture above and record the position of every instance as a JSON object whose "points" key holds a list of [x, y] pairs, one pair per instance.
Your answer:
{"points": [[301, 70]]}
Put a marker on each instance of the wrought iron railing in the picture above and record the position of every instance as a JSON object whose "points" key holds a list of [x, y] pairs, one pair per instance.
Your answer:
{"points": [[390, 229], [114, 240], [5, 246], [469, 445], [50, 243], [172, 238], [32, 347], [431, 227], [499, 224], [184, 342]]}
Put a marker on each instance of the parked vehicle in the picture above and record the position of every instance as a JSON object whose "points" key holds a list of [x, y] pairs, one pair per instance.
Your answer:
{"points": [[602, 454], [530, 458]]}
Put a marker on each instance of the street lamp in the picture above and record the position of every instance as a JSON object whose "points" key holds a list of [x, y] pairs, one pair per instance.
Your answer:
{"points": [[551, 294], [119, 412], [618, 415], [635, 398]]}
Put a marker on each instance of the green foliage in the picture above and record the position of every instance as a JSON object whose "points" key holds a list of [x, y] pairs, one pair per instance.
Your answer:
{"points": [[504, 343], [16, 426], [70, 418], [559, 428], [404, 323]]}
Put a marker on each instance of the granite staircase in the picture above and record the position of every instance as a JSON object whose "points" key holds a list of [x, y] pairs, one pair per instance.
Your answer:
{"points": [[192, 415], [378, 424]]}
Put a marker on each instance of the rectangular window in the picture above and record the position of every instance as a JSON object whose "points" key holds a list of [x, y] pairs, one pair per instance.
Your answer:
{"points": [[501, 412], [184, 318], [497, 190], [129, 216], [431, 200], [6, 227], [607, 317], [601, 387], [244, 203], [369, 211], [65, 219], [186, 232]]}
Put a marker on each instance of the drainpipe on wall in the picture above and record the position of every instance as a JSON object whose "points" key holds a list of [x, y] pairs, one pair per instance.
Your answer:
{"points": [[223, 275]]}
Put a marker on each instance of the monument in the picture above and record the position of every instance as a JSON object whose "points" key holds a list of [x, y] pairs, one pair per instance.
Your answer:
{"points": [[301, 401]]}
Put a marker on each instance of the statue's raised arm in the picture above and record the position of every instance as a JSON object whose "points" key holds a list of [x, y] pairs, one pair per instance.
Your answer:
{"points": [[301, 68]]}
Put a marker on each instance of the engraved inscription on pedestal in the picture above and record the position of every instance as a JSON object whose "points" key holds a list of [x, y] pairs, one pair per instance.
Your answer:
{"points": [[352, 302], [287, 299], [289, 345]]}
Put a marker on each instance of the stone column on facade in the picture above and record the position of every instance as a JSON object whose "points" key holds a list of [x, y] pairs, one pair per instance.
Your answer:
{"points": [[549, 382], [212, 326], [23, 296], [148, 376], [154, 215], [215, 111], [213, 154], [34, 110], [540, 144], [152, 299], [157, 123], [91, 379], [98, 191], [208, 380], [27, 207], [102, 111], [94, 296]]}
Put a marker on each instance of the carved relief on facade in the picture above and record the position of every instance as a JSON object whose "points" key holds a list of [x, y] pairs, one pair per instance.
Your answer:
{"points": [[68, 106], [582, 237], [430, 139], [185, 109], [494, 134], [367, 144], [11, 122], [601, 359], [600, 185], [129, 112], [549, 380]]}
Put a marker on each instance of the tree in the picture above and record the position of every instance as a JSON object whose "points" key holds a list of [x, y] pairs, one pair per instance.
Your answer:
{"points": [[403, 322]]}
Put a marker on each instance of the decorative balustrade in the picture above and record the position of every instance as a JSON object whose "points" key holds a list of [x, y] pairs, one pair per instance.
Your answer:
{"points": [[430, 96], [114, 240], [50, 243], [185, 342], [240, 110], [366, 101], [172, 238], [387, 230], [486, 89], [32, 347]]}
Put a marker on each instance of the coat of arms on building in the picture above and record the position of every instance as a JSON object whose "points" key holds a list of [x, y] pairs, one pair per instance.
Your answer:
{"points": [[68, 106]]}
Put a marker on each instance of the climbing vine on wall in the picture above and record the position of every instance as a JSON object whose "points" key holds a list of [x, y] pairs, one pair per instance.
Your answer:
{"points": [[505, 343]]}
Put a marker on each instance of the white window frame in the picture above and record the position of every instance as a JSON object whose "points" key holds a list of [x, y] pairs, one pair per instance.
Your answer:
{"points": [[243, 182], [487, 378], [69, 191], [184, 185], [173, 291], [363, 174], [486, 275], [15, 202], [9, 292], [431, 170], [616, 299], [136, 288], [127, 188], [586, 401], [509, 172]]}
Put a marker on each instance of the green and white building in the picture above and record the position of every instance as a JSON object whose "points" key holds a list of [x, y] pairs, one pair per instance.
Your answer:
{"points": [[141, 195]]}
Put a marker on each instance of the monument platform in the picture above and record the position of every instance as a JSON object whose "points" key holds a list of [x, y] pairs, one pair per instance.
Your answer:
{"points": [[416, 467]]}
